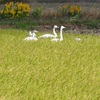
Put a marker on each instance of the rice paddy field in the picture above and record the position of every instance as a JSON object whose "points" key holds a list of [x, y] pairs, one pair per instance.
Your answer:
{"points": [[46, 70]]}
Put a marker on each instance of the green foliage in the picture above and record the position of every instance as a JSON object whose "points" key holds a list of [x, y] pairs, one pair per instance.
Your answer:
{"points": [[37, 12], [63, 10], [24, 24], [68, 10]]}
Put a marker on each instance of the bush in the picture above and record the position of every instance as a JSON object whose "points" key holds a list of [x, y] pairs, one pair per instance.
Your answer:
{"points": [[74, 10], [68, 10], [15, 10], [37, 12], [63, 11]]}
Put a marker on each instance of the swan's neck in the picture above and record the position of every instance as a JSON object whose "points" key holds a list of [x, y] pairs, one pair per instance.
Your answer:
{"points": [[33, 34], [30, 34], [61, 36], [54, 32]]}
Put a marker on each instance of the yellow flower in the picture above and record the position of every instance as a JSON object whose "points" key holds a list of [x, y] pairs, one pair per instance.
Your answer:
{"points": [[15, 10], [74, 10], [19, 12], [12, 12]]}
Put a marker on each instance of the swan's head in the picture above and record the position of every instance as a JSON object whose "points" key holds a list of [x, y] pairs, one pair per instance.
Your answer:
{"points": [[35, 31], [62, 27], [55, 26]]}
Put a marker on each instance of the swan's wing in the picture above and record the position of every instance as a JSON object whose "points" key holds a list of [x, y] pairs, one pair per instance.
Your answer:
{"points": [[35, 39], [46, 36], [55, 39], [28, 38], [77, 39]]}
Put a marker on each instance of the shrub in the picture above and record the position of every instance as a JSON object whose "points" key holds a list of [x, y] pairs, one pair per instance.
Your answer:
{"points": [[63, 11], [68, 10], [37, 12], [50, 13], [74, 10], [15, 10]]}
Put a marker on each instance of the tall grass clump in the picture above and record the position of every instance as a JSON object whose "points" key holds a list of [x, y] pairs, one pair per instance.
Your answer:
{"points": [[37, 13], [63, 10]]}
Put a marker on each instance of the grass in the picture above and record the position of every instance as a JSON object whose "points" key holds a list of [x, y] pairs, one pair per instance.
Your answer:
{"points": [[25, 24], [90, 24], [28, 24], [45, 70]]}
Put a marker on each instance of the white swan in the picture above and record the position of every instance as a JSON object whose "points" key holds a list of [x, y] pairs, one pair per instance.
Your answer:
{"points": [[77, 39], [61, 36], [32, 36], [50, 35]]}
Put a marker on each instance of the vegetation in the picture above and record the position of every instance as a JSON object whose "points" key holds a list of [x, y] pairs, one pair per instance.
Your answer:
{"points": [[15, 10], [64, 1], [67, 13], [67, 70], [37, 13], [46, 70], [74, 10], [5, 1], [63, 10], [49, 1]]}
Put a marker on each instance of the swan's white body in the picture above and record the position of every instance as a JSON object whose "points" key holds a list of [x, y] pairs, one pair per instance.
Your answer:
{"points": [[31, 36], [61, 36], [50, 35], [77, 39]]}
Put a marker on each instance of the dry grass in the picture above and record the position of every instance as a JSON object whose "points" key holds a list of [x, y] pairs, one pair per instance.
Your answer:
{"points": [[89, 10]]}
